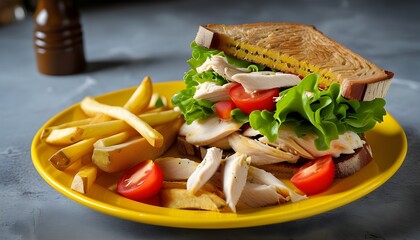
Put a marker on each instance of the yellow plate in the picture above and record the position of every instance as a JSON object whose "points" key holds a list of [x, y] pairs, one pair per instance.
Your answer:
{"points": [[388, 141]]}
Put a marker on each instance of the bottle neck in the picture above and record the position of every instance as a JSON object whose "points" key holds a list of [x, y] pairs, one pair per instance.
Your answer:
{"points": [[56, 15]]}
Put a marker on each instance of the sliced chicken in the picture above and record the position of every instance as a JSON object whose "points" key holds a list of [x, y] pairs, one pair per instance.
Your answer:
{"points": [[222, 144], [210, 130], [220, 65], [250, 132], [258, 195], [175, 169], [261, 154], [213, 92], [288, 145], [304, 146], [205, 169], [234, 178], [263, 80], [260, 176]]}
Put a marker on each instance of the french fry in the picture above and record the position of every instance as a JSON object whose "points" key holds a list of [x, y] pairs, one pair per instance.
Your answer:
{"points": [[98, 118], [46, 131], [71, 135], [141, 97], [153, 118], [117, 158], [87, 175], [135, 104], [158, 118], [66, 156], [84, 178], [91, 106], [111, 127], [114, 139], [69, 154]]}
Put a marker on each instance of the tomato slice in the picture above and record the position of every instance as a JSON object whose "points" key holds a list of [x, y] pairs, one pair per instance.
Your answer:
{"points": [[249, 102], [223, 109], [315, 176], [141, 182]]}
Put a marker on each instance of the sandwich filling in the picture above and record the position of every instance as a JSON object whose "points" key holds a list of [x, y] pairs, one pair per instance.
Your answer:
{"points": [[304, 120]]}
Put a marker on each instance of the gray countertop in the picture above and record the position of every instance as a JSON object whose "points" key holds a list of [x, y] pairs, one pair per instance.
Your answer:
{"points": [[126, 41]]}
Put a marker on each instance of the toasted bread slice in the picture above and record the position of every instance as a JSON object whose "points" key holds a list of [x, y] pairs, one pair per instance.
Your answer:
{"points": [[299, 49]]}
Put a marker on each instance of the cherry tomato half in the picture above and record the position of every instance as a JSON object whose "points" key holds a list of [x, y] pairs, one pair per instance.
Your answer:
{"points": [[223, 109], [141, 182], [315, 176], [249, 102]]}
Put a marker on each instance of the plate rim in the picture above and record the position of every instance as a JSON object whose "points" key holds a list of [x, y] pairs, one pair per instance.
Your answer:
{"points": [[233, 220]]}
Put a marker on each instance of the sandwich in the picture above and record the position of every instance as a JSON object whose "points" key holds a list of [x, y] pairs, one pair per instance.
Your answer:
{"points": [[283, 94]]}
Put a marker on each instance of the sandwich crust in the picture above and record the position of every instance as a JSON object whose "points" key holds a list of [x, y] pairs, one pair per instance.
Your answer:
{"points": [[299, 49]]}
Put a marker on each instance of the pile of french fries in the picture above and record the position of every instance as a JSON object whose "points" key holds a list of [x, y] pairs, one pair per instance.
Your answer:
{"points": [[114, 138]]}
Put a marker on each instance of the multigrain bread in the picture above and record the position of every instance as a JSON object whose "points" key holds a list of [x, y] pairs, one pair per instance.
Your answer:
{"points": [[299, 49]]}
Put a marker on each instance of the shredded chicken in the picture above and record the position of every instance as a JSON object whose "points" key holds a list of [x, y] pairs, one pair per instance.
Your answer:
{"points": [[243, 185], [205, 169], [260, 176], [259, 195], [234, 178], [256, 81], [305, 146], [261, 154], [210, 130], [213, 92]]}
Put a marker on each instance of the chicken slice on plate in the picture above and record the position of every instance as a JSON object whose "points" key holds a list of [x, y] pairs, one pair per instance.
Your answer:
{"points": [[210, 130], [260, 153], [305, 145], [175, 169], [234, 177], [260, 176], [205, 169], [259, 195]]}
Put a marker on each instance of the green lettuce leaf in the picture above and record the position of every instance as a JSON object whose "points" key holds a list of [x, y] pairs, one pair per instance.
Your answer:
{"points": [[326, 113], [239, 116], [191, 108]]}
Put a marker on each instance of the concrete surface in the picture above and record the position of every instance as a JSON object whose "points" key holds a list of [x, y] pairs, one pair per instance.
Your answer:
{"points": [[126, 41]]}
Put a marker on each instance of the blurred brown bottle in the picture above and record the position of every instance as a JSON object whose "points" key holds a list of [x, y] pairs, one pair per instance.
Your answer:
{"points": [[58, 38]]}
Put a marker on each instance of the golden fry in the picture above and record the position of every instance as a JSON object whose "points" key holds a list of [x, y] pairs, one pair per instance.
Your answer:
{"points": [[114, 139], [66, 156], [46, 131], [119, 157], [91, 106], [74, 134], [140, 99], [71, 135], [84, 178]]}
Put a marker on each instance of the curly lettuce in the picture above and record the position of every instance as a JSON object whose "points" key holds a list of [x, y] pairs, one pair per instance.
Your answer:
{"points": [[326, 113], [191, 108]]}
